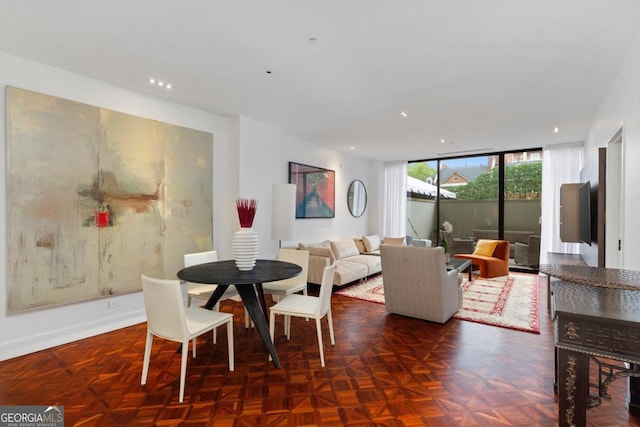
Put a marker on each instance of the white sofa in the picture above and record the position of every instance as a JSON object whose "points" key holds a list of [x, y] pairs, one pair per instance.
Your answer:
{"points": [[354, 260]]}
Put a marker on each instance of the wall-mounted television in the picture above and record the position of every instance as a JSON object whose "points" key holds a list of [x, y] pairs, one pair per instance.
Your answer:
{"points": [[584, 216], [575, 213]]}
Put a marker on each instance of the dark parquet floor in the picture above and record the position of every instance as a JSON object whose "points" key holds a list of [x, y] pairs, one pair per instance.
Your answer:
{"points": [[385, 370]]}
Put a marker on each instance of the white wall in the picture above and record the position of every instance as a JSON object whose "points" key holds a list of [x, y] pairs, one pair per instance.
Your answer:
{"points": [[248, 157], [39, 329], [621, 108], [265, 153]]}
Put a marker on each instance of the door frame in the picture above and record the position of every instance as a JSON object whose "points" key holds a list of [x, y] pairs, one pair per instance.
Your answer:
{"points": [[614, 201]]}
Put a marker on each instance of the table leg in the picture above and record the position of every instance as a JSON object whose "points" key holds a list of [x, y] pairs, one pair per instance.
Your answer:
{"points": [[261, 299], [257, 313], [573, 388], [215, 296], [634, 393], [549, 292]]}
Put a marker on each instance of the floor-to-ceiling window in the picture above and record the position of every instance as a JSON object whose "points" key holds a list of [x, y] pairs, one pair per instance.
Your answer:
{"points": [[493, 196], [522, 211]]}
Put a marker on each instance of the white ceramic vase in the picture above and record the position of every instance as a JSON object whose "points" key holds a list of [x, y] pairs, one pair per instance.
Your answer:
{"points": [[245, 248]]}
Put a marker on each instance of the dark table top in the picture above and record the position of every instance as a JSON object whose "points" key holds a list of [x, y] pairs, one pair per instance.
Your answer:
{"points": [[226, 272], [596, 301], [595, 276]]}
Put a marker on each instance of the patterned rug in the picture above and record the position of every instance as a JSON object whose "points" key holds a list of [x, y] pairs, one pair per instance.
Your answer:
{"points": [[508, 301], [370, 290]]}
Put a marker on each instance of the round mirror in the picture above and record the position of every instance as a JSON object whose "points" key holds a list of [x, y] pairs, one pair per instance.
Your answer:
{"points": [[357, 198]]}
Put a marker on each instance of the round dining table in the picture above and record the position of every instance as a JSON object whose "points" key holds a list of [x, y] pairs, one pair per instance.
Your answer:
{"points": [[249, 287]]}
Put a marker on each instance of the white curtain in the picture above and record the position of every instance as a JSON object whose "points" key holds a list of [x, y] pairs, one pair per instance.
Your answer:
{"points": [[561, 164], [394, 203]]}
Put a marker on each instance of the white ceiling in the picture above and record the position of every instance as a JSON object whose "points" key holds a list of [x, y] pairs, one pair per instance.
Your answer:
{"points": [[482, 74]]}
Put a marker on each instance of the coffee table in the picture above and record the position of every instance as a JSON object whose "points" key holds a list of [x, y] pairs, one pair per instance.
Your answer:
{"points": [[461, 265]]}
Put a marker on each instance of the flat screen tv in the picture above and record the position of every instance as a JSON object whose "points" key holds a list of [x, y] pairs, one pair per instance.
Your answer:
{"points": [[575, 213], [584, 216]]}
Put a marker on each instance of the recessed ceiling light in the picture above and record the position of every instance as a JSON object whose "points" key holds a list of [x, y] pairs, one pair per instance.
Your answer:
{"points": [[442, 141], [403, 114], [160, 83], [556, 130], [351, 147]]}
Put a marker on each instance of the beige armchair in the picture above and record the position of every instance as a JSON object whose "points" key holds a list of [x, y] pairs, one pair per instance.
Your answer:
{"points": [[417, 283]]}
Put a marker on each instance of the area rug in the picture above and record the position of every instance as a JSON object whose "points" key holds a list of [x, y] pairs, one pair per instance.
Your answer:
{"points": [[370, 290], [508, 301]]}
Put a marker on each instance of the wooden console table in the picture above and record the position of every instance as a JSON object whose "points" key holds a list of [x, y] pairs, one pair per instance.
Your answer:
{"points": [[596, 314]]}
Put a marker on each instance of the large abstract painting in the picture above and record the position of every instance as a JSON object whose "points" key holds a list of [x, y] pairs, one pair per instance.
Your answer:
{"points": [[97, 197]]}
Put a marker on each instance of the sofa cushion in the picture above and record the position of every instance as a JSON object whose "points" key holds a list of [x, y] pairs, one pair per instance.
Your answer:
{"points": [[323, 244], [344, 248], [319, 249], [347, 272], [371, 243], [324, 252], [373, 263]]}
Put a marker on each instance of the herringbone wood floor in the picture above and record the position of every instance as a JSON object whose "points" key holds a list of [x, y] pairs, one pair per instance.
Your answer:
{"points": [[385, 370]]}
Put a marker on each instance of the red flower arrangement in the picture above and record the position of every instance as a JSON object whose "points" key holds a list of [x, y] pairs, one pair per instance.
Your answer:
{"points": [[246, 211]]}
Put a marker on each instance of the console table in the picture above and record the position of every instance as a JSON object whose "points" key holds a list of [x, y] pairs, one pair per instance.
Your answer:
{"points": [[596, 314]]}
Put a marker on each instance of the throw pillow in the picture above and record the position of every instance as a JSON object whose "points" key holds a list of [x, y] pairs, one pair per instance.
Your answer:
{"points": [[344, 248], [485, 247], [360, 245], [371, 243], [393, 241]]}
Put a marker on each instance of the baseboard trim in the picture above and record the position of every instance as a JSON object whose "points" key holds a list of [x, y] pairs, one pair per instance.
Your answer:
{"points": [[50, 339]]}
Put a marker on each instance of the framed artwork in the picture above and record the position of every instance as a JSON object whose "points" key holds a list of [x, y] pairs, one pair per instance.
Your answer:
{"points": [[315, 190], [97, 197]]}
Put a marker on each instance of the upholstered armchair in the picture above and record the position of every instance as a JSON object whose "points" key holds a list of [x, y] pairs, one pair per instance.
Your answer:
{"points": [[491, 256], [417, 284], [528, 254]]}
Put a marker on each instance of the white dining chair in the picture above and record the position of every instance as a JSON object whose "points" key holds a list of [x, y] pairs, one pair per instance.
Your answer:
{"points": [[307, 306], [168, 318], [202, 291], [292, 285]]}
